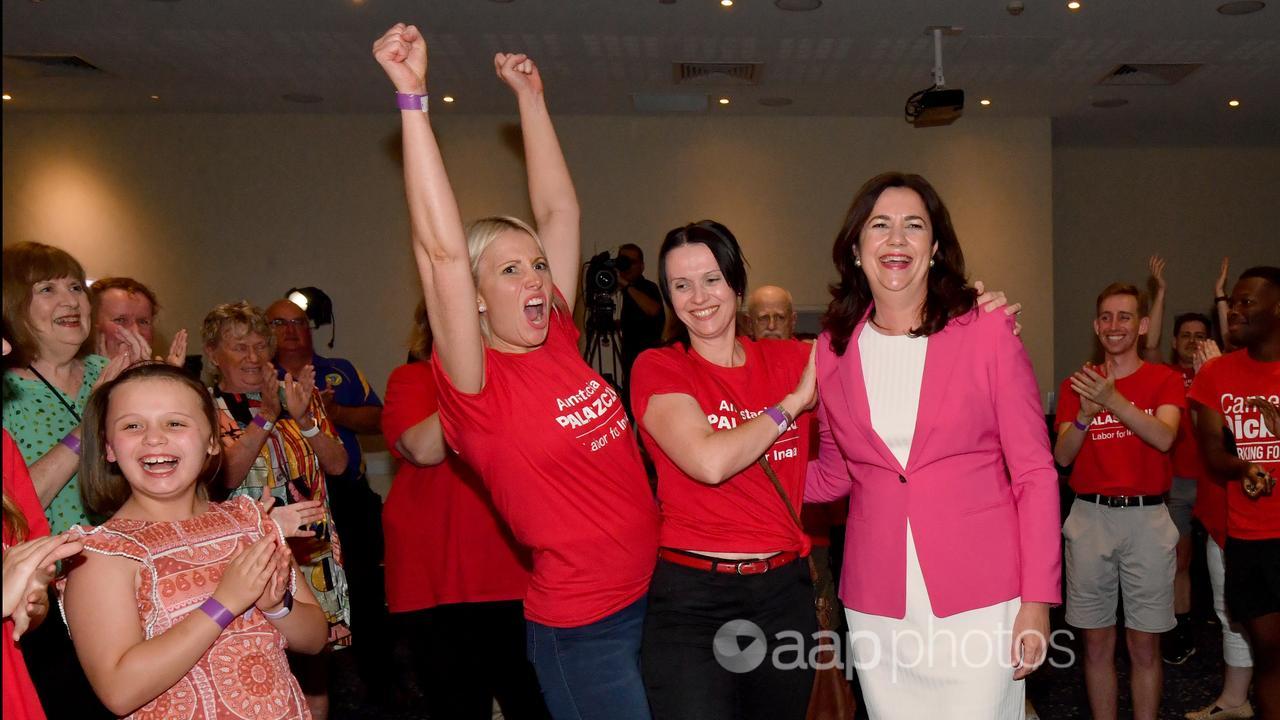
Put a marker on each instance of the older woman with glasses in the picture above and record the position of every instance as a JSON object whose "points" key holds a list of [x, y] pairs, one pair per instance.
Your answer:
{"points": [[279, 445]]}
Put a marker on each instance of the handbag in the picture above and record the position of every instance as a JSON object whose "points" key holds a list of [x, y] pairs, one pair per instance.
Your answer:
{"points": [[832, 698]]}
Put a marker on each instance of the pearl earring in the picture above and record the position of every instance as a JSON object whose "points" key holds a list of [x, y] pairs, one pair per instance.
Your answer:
{"points": [[857, 261], [930, 262]]}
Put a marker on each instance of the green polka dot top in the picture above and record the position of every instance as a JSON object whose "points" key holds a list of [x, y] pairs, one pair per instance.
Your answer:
{"points": [[37, 420]]}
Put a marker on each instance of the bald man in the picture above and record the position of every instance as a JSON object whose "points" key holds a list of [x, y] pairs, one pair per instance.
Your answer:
{"points": [[772, 313]]}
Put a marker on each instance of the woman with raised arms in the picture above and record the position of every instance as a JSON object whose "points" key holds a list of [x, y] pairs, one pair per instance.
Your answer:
{"points": [[548, 436]]}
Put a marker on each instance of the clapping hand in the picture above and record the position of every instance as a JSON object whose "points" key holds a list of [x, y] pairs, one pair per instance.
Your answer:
{"points": [[246, 577], [1257, 481], [518, 72], [272, 597], [28, 569], [294, 519], [298, 392], [1220, 285], [177, 356], [1270, 414], [270, 402], [1206, 350], [402, 53], [1096, 391], [994, 300]]}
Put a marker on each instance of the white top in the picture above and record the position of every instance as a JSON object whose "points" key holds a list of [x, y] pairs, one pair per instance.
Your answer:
{"points": [[893, 368]]}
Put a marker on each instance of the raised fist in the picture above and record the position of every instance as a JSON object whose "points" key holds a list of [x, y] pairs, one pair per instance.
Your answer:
{"points": [[402, 53], [518, 72]]}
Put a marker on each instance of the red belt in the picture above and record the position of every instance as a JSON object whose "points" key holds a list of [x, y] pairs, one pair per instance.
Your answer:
{"points": [[732, 567]]}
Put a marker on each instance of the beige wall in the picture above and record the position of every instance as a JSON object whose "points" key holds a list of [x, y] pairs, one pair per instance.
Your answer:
{"points": [[213, 208], [1113, 207]]}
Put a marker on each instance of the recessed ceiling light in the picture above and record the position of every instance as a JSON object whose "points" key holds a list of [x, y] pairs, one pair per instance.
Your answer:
{"points": [[775, 101], [447, 98], [984, 102], [798, 5], [7, 97], [302, 98], [155, 97], [726, 3], [1073, 6], [1233, 103], [1241, 7], [1109, 103]]}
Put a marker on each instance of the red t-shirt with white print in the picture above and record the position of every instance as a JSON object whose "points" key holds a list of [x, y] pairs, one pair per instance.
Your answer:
{"points": [[1114, 461], [1186, 448], [744, 513], [550, 439], [1224, 385]]}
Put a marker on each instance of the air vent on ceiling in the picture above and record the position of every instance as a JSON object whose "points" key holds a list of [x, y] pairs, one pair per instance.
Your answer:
{"points": [[49, 66], [718, 73], [1149, 74]]}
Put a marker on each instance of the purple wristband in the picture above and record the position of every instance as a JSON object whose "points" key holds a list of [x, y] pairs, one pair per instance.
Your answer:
{"points": [[217, 612], [1080, 426], [411, 101], [779, 418], [71, 442]]}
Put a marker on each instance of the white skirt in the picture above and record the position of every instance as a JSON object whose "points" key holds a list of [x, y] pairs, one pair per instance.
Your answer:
{"points": [[924, 666]]}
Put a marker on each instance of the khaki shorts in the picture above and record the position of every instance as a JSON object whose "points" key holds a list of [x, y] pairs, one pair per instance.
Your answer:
{"points": [[1129, 550]]}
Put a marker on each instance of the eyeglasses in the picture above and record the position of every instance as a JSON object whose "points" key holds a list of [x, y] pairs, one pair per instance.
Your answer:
{"points": [[284, 322]]}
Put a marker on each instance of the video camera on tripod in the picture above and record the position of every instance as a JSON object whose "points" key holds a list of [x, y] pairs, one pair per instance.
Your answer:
{"points": [[600, 282], [601, 279]]}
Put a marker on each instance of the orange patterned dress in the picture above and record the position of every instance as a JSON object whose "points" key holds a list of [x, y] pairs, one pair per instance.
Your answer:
{"points": [[245, 673]]}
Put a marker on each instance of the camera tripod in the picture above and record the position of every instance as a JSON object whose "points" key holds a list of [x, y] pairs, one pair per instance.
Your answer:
{"points": [[603, 339]]}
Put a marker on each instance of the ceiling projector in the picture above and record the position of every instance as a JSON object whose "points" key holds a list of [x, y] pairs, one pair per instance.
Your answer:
{"points": [[935, 105]]}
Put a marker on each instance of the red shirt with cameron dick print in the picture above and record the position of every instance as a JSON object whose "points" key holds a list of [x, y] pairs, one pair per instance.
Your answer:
{"points": [[1225, 385]]}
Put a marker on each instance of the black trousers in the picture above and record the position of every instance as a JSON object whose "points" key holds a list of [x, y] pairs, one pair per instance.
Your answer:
{"points": [[693, 669], [469, 654], [357, 515]]}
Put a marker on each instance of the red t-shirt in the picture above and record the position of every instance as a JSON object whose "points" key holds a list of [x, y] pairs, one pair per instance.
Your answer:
{"points": [[20, 700], [552, 443], [744, 513], [444, 540], [1186, 449], [1114, 461], [1223, 386]]}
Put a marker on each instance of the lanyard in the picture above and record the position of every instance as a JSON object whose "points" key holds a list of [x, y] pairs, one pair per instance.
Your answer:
{"points": [[57, 393]]}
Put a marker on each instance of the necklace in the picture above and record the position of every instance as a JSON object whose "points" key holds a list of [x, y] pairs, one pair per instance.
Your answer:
{"points": [[887, 330]]}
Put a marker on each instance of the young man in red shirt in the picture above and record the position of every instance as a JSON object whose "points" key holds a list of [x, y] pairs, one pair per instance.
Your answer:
{"points": [[1116, 423], [1236, 396]]}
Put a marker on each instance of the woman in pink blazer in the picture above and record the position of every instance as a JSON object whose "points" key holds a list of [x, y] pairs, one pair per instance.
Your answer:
{"points": [[930, 421]]}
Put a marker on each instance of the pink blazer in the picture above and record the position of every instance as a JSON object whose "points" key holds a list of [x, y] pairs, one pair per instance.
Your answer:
{"points": [[979, 488]]}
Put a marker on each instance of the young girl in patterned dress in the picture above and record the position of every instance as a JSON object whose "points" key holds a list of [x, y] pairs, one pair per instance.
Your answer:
{"points": [[180, 607]]}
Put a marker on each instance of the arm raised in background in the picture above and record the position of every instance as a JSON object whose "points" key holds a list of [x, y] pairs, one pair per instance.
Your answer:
{"points": [[439, 243], [1221, 307], [551, 193], [1151, 351]]}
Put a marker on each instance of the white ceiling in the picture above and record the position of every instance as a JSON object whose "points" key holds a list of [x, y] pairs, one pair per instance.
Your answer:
{"points": [[849, 57]]}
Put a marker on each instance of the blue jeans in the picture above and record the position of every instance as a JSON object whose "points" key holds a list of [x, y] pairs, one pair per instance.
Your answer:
{"points": [[592, 672]]}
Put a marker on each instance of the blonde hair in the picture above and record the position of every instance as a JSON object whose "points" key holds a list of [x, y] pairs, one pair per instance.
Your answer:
{"points": [[241, 317], [481, 234]]}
